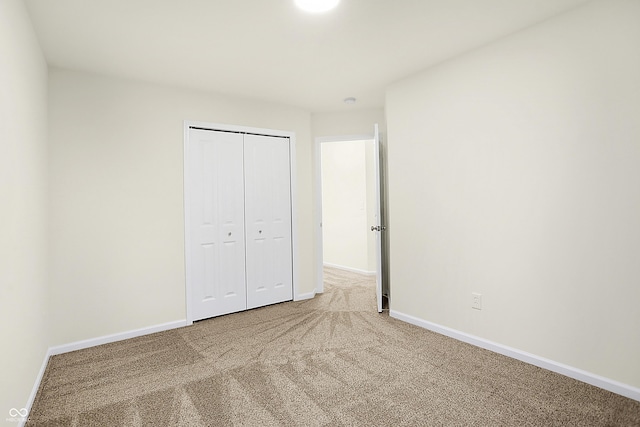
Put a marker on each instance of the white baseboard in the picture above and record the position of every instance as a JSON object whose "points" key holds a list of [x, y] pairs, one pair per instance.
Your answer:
{"points": [[308, 295], [569, 371], [92, 342], [36, 385], [353, 270]]}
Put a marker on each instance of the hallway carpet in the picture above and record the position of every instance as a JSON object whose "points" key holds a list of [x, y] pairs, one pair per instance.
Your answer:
{"points": [[329, 361]]}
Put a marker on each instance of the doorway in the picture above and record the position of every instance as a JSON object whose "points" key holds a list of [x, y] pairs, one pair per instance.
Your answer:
{"points": [[346, 205]]}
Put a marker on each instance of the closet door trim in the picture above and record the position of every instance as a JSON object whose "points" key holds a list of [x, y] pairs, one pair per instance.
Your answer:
{"points": [[187, 214]]}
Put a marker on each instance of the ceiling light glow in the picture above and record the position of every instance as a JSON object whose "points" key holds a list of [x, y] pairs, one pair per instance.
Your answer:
{"points": [[316, 6]]}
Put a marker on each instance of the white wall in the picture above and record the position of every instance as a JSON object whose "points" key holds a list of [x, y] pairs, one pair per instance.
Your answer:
{"points": [[345, 205], [116, 176], [514, 172], [23, 211], [350, 122]]}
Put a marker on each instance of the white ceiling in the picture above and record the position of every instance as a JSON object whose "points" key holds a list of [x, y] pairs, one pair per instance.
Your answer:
{"points": [[269, 50]]}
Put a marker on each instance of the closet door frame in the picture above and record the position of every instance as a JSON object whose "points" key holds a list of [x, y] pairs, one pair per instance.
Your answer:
{"points": [[187, 203]]}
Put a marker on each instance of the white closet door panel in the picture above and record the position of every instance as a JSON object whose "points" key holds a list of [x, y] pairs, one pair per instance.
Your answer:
{"points": [[217, 240], [268, 220]]}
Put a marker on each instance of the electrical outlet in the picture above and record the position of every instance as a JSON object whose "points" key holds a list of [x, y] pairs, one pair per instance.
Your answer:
{"points": [[476, 301]]}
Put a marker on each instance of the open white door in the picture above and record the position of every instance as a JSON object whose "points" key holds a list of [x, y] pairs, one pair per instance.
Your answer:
{"points": [[378, 228]]}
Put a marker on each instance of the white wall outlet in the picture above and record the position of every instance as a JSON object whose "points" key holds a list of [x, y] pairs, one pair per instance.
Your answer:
{"points": [[476, 301]]}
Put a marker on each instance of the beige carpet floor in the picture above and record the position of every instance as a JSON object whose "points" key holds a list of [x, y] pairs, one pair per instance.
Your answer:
{"points": [[329, 361]]}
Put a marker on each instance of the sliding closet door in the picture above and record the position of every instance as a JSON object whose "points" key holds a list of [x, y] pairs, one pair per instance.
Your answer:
{"points": [[268, 220], [216, 261]]}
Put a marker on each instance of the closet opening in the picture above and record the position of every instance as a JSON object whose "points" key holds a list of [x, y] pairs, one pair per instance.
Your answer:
{"points": [[239, 203]]}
